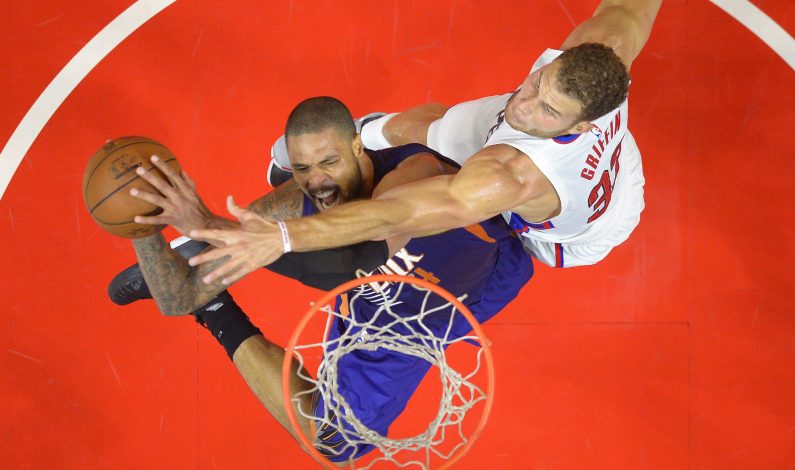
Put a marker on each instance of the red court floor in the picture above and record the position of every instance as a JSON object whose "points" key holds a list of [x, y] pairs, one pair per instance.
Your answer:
{"points": [[677, 351]]}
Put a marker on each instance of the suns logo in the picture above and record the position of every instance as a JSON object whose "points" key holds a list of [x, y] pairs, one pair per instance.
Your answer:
{"points": [[379, 293]]}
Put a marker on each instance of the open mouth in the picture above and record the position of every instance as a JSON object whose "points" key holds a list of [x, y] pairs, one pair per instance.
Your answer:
{"points": [[327, 198]]}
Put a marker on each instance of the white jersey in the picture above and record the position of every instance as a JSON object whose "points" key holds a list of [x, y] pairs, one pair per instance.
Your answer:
{"points": [[598, 175]]}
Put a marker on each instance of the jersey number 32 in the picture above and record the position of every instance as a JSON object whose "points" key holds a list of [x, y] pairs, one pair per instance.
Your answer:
{"points": [[600, 196]]}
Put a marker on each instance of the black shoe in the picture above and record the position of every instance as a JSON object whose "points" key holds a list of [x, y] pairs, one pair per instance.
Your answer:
{"points": [[276, 175], [129, 285]]}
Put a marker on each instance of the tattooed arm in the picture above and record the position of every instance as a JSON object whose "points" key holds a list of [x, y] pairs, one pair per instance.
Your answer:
{"points": [[285, 202], [177, 287]]}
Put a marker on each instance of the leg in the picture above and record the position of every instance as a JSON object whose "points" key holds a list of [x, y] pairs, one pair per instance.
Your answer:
{"points": [[258, 360], [129, 285], [260, 364], [411, 126]]}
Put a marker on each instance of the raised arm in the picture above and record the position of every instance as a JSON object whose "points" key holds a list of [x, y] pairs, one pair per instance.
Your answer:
{"points": [[623, 25], [490, 182]]}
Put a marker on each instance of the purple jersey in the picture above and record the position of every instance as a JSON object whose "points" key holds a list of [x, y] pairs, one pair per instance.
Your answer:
{"points": [[485, 262]]}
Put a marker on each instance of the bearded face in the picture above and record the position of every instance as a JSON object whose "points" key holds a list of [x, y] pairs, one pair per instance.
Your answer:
{"points": [[325, 167]]}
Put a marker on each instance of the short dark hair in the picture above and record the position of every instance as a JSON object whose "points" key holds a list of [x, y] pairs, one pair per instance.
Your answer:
{"points": [[594, 75], [317, 114]]}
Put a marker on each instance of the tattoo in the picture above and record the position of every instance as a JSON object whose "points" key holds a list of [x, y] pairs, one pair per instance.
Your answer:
{"points": [[165, 272], [284, 202], [206, 292], [177, 287]]}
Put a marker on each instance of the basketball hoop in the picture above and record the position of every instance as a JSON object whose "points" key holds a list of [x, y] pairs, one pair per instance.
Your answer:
{"points": [[422, 334]]}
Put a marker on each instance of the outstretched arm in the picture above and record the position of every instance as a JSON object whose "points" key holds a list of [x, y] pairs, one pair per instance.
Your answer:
{"points": [[623, 25], [178, 288], [498, 178], [485, 186]]}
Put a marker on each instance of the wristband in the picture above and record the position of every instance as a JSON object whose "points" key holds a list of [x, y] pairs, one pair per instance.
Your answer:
{"points": [[285, 237]]}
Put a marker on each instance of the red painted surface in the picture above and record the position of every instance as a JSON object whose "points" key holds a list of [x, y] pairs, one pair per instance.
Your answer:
{"points": [[675, 352]]}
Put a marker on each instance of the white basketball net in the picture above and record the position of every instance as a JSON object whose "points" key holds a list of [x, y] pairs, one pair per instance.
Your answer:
{"points": [[459, 394]]}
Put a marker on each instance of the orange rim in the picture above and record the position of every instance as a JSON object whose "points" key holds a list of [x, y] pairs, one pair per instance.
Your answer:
{"points": [[347, 286]]}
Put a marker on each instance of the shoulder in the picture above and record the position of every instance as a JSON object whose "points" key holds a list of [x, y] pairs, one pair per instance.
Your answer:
{"points": [[415, 167], [497, 153], [501, 158], [504, 166], [430, 160], [396, 156], [284, 202]]}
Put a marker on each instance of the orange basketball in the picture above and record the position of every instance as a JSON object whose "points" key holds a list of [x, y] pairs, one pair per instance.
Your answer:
{"points": [[110, 175]]}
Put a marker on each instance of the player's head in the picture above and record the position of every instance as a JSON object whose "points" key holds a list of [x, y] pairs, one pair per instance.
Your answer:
{"points": [[324, 151], [563, 97]]}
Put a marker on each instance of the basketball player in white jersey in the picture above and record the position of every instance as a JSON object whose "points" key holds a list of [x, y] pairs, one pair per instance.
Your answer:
{"points": [[554, 157]]}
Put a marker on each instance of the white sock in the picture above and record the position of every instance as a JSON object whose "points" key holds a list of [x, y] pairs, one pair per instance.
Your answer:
{"points": [[373, 133]]}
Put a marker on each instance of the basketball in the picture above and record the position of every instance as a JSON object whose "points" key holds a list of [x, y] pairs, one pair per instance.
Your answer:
{"points": [[110, 175]]}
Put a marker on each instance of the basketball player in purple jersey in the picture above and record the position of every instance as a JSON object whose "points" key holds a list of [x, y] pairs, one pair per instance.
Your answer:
{"points": [[554, 158], [485, 261]]}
